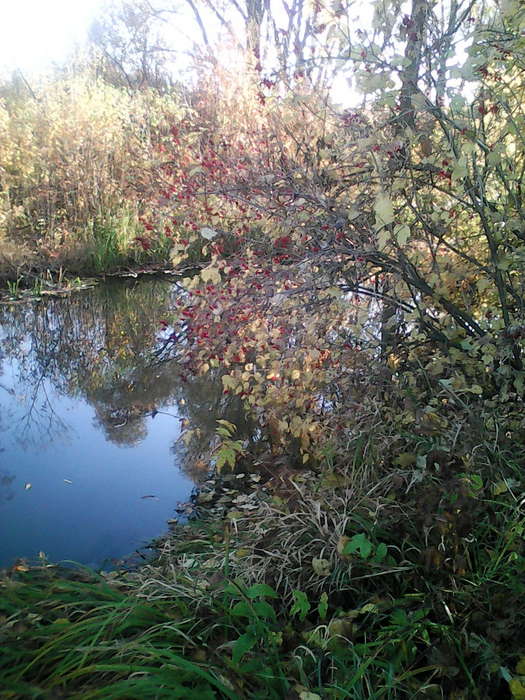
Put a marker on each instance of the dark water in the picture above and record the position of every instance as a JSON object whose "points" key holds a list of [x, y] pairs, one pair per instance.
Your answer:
{"points": [[90, 466]]}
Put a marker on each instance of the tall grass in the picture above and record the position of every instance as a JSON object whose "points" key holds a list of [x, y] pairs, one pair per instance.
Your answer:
{"points": [[77, 159]]}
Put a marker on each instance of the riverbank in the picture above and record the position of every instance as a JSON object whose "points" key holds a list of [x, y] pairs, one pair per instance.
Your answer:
{"points": [[302, 584], [34, 284]]}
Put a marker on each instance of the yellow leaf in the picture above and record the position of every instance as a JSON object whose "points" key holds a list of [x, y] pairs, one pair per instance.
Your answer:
{"points": [[295, 374], [402, 233], [229, 382], [211, 274], [341, 544], [384, 210], [321, 567], [517, 689], [383, 238], [497, 489]]}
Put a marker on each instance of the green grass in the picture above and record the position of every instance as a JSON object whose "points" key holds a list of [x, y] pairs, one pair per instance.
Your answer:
{"points": [[112, 242]]}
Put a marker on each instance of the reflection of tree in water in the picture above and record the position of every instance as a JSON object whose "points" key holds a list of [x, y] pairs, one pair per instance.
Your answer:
{"points": [[122, 406], [6, 482], [97, 345], [203, 403], [105, 346]]}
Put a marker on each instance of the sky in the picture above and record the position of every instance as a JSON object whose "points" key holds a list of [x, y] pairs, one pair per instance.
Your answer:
{"points": [[34, 33]]}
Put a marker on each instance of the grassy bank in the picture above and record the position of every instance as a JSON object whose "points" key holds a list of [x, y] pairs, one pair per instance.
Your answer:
{"points": [[295, 583]]}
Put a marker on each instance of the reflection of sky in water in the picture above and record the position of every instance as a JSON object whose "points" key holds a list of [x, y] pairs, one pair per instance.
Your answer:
{"points": [[86, 500]]}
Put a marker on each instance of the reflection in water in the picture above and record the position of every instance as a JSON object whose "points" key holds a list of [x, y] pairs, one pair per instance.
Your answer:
{"points": [[6, 491], [89, 415], [97, 345]]}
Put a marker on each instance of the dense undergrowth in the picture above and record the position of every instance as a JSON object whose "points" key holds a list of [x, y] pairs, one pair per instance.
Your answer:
{"points": [[76, 164]]}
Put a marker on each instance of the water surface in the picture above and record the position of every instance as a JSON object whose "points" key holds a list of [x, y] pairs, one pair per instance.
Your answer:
{"points": [[91, 408]]}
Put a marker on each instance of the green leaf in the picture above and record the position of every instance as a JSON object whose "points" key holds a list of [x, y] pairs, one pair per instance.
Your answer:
{"points": [[301, 605], [242, 646], [360, 544], [380, 553], [460, 168], [264, 609], [242, 609], [383, 238], [261, 590], [226, 455], [208, 233], [231, 427], [476, 481], [399, 618]]}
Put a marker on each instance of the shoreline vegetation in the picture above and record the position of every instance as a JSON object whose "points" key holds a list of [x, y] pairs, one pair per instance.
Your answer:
{"points": [[354, 280], [290, 582]]}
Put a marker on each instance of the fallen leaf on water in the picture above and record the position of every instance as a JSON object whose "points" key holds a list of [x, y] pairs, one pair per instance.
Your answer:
{"points": [[27, 486]]}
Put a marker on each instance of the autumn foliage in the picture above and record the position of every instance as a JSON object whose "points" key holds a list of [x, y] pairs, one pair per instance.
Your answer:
{"points": [[345, 254]]}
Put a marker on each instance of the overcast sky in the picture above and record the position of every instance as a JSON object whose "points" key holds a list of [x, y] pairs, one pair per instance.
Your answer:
{"points": [[34, 33]]}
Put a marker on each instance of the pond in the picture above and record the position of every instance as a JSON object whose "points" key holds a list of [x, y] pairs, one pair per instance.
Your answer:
{"points": [[91, 411]]}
